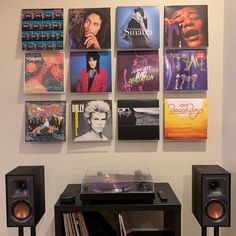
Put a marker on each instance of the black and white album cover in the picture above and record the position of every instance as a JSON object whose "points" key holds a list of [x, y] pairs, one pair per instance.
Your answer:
{"points": [[138, 119], [91, 120]]}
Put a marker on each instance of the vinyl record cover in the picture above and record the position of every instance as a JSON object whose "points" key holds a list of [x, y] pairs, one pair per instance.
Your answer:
{"points": [[138, 27], [42, 29], [185, 119], [138, 119], [90, 71], [44, 72], [89, 28], [185, 70], [91, 120], [45, 121], [138, 71], [186, 26]]}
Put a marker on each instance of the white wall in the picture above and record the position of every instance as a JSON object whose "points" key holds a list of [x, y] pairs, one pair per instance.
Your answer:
{"points": [[229, 105], [66, 163]]}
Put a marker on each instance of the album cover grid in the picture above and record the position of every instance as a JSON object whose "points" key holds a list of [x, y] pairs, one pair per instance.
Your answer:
{"points": [[138, 41]]}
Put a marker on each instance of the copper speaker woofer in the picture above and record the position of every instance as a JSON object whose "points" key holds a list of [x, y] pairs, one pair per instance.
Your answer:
{"points": [[21, 210], [215, 210]]}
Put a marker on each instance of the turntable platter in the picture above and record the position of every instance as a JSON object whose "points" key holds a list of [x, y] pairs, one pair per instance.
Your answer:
{"points": [[110, 183]]}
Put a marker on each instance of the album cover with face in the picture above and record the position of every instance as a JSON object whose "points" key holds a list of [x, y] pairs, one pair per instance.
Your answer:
{"points": [[138, 27], [89, 28], [91, 120], [138, 71], [42, 29], [186, 26], [90, 72], [45, 121], [185, 119], [185, 70], [138, 119], [44, 72]]}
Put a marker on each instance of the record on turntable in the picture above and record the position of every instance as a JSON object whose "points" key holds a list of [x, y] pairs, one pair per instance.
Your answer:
{"points": [[100, 184]]}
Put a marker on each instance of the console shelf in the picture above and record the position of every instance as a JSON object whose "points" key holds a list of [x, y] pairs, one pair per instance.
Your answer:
{"points": [[171, 210]]}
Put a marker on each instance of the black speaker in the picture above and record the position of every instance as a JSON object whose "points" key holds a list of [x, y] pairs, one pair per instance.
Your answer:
{"points": [[25, 196], [211, 195]]}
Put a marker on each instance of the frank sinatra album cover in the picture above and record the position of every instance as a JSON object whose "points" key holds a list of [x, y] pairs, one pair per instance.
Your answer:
{"points": [[90, 71], [186, 26], [45, 121], [91, 120], [185, 70], [185, 119], [89, 28], [42, 29], [138, 119], [138, 27], [138, 71], [44, 72]]}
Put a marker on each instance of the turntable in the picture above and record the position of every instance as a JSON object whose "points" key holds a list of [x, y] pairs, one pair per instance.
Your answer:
{"points": [[131, 185]]}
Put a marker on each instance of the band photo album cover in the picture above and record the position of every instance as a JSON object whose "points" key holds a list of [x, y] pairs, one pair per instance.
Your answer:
{"points": [[91, 120], [138, 119], [185, 119], [90, 71], [138, 71], [42, 29], [45, 121], [186, 26], [44, 72], [138, 27], [89, 28], [185, 70]]}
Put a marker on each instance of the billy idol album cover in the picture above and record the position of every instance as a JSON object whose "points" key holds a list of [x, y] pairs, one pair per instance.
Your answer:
{"points": [[138, 27], [185, 119], [45, 121], [90, 71], [185, 26], [138, 119], [185, 70], [138, 71], [44, 72], [91, 120], [42, 29], [89, 28]]}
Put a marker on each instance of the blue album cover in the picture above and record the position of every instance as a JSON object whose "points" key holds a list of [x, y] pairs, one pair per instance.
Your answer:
{"points": [[138, 27], [42, 29], [185, 70], [90, 71]]}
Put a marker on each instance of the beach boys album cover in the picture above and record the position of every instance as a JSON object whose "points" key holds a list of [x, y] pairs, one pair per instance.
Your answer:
{"points": [[185, 26], [42, 29], [138, 71], [138, 119], [185, 119], [138, 27], [89, 28], [91, 120], [90, 71], [45, 121], [44, 72], [185, 70]]}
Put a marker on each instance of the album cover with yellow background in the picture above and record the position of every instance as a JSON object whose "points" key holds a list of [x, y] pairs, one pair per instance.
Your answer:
{"points": [[185, 119]]}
